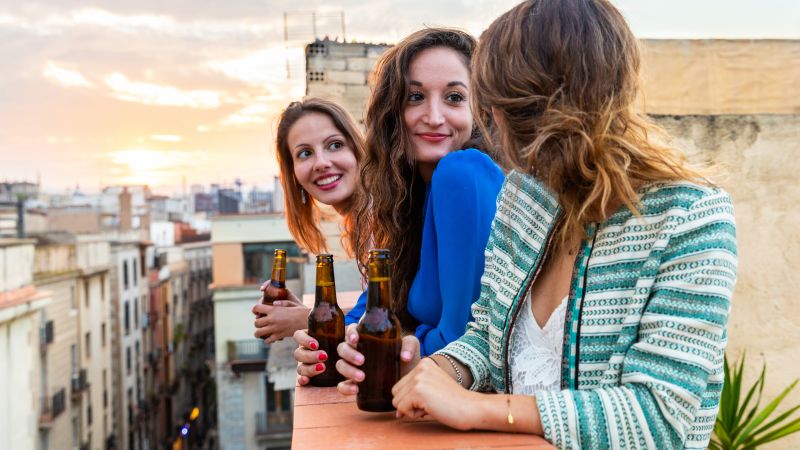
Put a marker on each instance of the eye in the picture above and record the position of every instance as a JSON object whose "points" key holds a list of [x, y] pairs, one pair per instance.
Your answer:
{"points": [[303, 154], [415, 97], [336, 145], [455, 97]]}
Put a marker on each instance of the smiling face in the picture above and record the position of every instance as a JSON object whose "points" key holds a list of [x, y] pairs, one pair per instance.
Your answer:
{"points": [[324, 164], [437, 114]]}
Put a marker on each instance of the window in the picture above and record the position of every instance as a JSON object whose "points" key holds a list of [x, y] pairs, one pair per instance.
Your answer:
{"points": [[105, 390], [76, 431], [277, 400], [258, 261], [127, 319], [136, 313], [125, 274], [88, 343], [86, 293], [103, 334], [73, 353], [73, 304], [128, 360], [135, 273], [89, 413]]}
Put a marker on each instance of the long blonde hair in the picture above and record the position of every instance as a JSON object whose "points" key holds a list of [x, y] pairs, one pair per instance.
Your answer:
{"points": [[561, 77], [303, 217]]}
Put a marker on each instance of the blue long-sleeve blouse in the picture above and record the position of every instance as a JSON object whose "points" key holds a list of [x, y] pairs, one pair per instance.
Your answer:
{"points": [[459, 208]]}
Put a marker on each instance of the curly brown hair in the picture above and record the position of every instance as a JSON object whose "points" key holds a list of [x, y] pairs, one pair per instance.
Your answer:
{"points": [[558, 80], [303, 218], [389, 212]]}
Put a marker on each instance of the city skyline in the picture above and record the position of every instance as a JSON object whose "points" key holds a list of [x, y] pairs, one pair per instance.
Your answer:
{"points": [[157, 93]]}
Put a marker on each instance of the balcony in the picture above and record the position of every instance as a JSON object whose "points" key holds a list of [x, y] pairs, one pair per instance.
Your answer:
{"points": [[247, 356], [274, 424], [80, 383], [51, 407]]}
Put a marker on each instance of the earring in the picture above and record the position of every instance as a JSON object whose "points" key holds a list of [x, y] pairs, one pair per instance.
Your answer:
{"points": [[303, 195]]}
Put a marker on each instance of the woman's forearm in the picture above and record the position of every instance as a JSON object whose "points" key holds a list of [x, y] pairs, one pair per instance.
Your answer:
{"points": [[446, 365], [504, 412]]}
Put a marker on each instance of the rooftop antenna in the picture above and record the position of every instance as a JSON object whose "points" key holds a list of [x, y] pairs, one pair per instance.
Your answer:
{"points": [[320, 25]]}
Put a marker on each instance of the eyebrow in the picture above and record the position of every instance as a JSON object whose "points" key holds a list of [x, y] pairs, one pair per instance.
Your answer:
{"points": [[303, 144], [450, 84]]}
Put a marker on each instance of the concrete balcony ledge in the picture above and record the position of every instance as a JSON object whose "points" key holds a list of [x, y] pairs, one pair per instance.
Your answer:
{"points": [[323, 418]]}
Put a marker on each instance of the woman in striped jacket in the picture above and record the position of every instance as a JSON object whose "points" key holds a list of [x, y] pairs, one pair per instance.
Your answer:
{"points": [[610, 266]]}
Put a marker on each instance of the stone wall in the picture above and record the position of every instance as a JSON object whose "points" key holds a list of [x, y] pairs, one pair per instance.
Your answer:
{"points": [[757, 158], [340, 71]]}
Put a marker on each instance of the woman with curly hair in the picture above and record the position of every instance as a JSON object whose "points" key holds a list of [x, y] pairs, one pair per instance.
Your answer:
{"points": [[422, 198], [611, 263]]}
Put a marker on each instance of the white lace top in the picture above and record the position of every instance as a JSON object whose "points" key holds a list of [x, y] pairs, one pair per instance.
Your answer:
{"points": [[535, 353]]}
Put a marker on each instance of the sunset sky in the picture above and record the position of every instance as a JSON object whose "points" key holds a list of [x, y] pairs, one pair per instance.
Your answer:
{"points": [[97, 93]]}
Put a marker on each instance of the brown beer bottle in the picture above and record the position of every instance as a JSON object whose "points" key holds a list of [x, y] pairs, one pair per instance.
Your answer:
{"points": [[379, 338], [326, 322], [276, 289]]}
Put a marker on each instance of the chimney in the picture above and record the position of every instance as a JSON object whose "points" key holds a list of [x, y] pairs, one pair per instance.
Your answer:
{"points": [[125, 210]]}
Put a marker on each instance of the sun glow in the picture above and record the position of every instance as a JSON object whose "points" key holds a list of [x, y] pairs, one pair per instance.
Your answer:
{"points": [[151, 167]]}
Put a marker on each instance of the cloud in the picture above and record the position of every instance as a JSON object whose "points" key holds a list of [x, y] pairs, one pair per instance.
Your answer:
{"points": [[64, 77], [166, 138], [154, 94], [262, 67]]}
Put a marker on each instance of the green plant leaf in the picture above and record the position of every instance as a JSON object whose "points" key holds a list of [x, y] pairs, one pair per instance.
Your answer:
{"points": [[760, 417], [778, 420], [752, 390], [789, 428], [742, 422]]}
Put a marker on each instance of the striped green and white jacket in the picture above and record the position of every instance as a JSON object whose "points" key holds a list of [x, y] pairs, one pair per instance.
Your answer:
{"points": [[645, 328]]}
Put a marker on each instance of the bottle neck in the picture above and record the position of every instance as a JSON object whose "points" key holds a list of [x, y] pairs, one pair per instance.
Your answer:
{"points": [[326, 285], [279, 272], [379, 292]]}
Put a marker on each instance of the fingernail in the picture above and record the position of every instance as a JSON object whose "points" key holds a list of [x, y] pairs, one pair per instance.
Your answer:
{"points": [[323, 356], [320, 367], [353, 390], [359, 359], [360, 376], [352, 338], [405, 355], [313, 345]]}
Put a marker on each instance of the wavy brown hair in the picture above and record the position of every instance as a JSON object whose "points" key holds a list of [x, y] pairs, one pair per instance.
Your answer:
{"points": [[303, 218], [560, 78], [389, 213]]}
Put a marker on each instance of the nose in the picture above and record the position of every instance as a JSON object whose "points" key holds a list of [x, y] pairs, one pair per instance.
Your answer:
{"points": [[434, 116], [322, 161]]}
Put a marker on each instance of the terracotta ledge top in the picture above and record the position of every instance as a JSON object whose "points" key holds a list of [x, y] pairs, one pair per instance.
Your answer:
{"points": [[323, 418]]}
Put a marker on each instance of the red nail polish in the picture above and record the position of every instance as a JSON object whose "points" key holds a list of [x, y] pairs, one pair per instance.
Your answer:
{"points": [[313, 345], [320, 367], [323, 357]]}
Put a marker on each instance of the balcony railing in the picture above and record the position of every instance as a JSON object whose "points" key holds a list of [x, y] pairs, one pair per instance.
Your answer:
{"points": [[248, 356], [80, 382], [273, 422], [51, 407]]}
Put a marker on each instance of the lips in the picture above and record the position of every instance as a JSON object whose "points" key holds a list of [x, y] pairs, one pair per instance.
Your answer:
{"points": [[328, 182], [433, 137]]}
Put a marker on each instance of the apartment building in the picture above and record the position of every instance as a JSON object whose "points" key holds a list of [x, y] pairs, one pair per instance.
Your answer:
{"points": [[23, 404], [56, 271], [129, 309], [252, 412]]}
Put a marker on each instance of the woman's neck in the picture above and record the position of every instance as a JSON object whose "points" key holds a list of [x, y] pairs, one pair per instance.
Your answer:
{"points": [[344, 207]]}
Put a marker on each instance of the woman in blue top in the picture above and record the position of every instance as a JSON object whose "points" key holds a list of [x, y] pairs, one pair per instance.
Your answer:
{"points": [[430, 206]]}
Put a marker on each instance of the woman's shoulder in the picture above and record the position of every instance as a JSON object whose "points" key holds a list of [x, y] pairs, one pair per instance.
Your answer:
{"points": [[468, 165], [683, 195]]}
